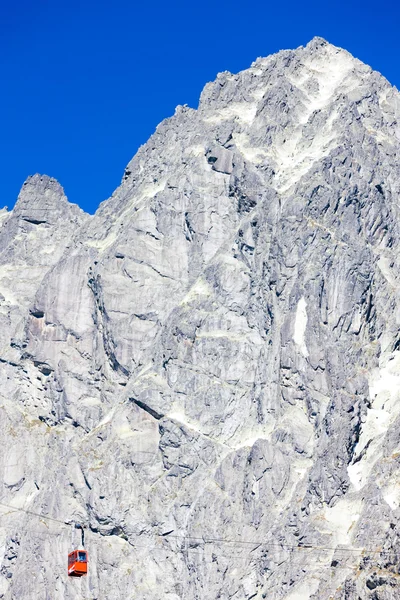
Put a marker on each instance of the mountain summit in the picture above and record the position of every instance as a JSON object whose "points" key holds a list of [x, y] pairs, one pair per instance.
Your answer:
{"points": [[205, 374]]}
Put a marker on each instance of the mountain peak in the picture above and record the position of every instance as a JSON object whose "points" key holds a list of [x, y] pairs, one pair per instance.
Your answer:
{"points": [[41, 198], [318, 42], [38, 185], [216, 352]]}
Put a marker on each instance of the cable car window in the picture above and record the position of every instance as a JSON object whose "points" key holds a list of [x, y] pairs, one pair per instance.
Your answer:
{"points": [[82, 556]]}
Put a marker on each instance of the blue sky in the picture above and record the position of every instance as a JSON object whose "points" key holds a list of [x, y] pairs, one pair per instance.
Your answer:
{"points": [[85, 83]]}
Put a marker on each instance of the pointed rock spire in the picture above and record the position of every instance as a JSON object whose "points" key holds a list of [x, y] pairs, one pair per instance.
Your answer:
{"points": [[42, 200]]}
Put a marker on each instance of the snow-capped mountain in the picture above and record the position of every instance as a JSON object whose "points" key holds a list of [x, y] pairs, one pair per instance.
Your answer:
{"points": [[205, 374]]}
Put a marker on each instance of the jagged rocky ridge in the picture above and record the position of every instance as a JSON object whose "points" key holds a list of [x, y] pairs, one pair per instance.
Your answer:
{"points": [[206, 372]]}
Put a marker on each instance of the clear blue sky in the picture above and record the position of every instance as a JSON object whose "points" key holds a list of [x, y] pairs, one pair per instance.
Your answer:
{"points": [[85, 83]]}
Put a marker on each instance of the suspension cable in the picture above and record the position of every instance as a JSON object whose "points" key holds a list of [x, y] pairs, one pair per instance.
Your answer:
{"points": [[215, 540]]}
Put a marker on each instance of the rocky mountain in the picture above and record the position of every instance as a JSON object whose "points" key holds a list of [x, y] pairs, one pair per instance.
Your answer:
{"points": [[206, 373]]}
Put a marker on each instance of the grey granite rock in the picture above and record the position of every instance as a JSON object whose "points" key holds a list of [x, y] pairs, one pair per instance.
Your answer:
{"points": [[206, 373]]}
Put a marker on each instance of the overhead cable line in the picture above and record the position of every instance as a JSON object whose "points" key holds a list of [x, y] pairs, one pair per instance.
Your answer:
{"points": [[34, 514], [274, 544], [236, 541]]}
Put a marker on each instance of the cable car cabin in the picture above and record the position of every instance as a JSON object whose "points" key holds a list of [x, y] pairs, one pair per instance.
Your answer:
{"points": [[77, 563]]}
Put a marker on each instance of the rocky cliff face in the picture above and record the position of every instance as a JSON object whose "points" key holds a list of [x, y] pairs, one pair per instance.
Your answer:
{"points": [[206, 373]]}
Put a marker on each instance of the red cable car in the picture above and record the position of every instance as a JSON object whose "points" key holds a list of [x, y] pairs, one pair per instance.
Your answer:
{"points": [[77, 563]]}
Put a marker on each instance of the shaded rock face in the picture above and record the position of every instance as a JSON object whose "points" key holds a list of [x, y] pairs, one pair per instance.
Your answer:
{"points": [[205, 374]]}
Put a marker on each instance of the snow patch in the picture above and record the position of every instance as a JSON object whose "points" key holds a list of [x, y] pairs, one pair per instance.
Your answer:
{"points": [[253, 154], [294, 159], [384, 388], [340, 519], [151, 190], [300, 326], [249, 437], [330, 72], [296, 422], [14, 466], [179, 416], [391, 494], [259, 94], [104, 243], [107, 419], [330, 75], [124, 432], [144, 193], [91, 401], [320, 80], [244, 111], [200, 288]]}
